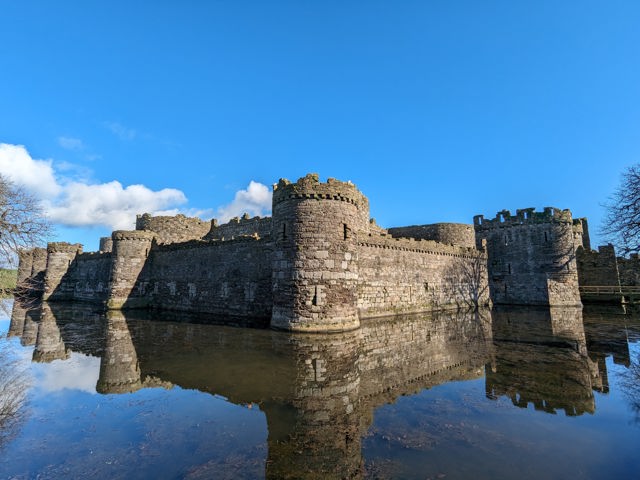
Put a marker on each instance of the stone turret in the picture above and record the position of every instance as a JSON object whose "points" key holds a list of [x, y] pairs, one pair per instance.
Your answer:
{"points": [[60, 255], [531, 257], [106, 244], [130, 252], [31, 271], [315, 271], [25, 265]]}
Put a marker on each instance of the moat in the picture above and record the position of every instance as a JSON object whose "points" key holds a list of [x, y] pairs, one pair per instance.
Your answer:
{"points": [[508, 393]]}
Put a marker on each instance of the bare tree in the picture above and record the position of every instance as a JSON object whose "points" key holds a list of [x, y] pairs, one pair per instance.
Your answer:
{"points": [[14, 383], [22, 221], [622, 222]]}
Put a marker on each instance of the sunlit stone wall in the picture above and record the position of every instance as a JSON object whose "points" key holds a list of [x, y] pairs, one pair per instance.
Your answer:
{"points": [[399, 275], [531, 257], [451, 233]]}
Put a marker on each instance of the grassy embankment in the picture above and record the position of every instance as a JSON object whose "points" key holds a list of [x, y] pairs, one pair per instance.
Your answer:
{"points": [[7, 281]]}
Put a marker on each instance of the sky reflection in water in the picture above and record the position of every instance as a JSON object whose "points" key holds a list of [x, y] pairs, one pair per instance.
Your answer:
{"points": [[504, 394]]}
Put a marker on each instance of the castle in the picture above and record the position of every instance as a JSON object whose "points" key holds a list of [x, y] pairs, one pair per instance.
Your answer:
{"points": [[320, 264]]}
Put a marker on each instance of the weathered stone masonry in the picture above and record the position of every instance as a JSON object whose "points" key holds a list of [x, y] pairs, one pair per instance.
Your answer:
{"points": [[531, 257], [320, 263]]}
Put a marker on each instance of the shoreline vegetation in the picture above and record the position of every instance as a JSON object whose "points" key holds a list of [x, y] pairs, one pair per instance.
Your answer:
{"points": [[8, 279]]}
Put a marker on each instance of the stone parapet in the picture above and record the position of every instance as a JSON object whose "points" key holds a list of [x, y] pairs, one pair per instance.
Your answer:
{"points": [[106, 244], [523, 216], [310, 186], [453, 233], [64, 247], [175, 228]]}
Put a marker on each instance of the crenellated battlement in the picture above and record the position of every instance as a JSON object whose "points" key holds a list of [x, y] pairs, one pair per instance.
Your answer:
{"points": [[240, 226], [170, 229], [418, 245], [135, 235], [523, 216], [64, 247], [310, 186]]}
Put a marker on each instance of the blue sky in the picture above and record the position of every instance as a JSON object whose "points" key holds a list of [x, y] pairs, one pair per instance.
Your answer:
{"points": [[436, 110]]}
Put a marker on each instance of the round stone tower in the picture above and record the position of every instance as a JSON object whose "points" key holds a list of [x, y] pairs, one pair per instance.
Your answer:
{"points": [[315, 270], [60, 255], [129, 255]]}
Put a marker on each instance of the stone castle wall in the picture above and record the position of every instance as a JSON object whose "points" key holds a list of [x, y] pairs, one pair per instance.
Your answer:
{"points": [[88, 277], [629, 269], [531, 257], [451, 233], [598, 268], [405, 275], [221, 278], [240, 226], [320, 264], [171, 229]]}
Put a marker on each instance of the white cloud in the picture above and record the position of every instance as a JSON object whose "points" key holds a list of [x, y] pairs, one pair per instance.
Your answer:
{"points": [[71, 198], [255, 200], [79, 372], [79, 203], [110, 204], [119, 130], [36, 176], [70, 143]]}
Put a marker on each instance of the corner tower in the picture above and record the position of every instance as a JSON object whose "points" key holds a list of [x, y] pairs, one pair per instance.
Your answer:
{"points": [[315, 270], [130, 251], [531, 257]]}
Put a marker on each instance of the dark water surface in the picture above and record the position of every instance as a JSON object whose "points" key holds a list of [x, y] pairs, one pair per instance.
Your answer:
{"points": [[516, 393]]}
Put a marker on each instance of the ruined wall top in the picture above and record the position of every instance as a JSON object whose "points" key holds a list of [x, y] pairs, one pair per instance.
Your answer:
{"points": [[240, 226], [64, 247], [453, 233], [581, 233], [140, 235], [176, 228], [310, 186], [523, 216], [106, 244]]}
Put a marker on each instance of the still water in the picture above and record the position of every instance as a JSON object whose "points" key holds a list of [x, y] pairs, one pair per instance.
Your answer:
{"points": [[517, 393]]}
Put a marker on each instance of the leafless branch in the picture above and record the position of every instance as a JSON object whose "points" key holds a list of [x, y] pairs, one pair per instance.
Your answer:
{"points": [[22, 221], [621, 225]]}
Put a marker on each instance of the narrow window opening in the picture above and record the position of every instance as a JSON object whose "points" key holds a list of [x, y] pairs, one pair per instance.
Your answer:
{"points": [[284, 231], [546, 238], [314, 300], [509, 267], [345, 231], [506, 240]]}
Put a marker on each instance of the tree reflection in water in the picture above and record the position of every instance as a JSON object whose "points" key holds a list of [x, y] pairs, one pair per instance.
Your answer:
{"points": [[13, 389]]}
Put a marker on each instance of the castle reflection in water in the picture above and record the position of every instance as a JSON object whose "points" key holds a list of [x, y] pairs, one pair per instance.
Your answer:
{"points": [[319, 391]]}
